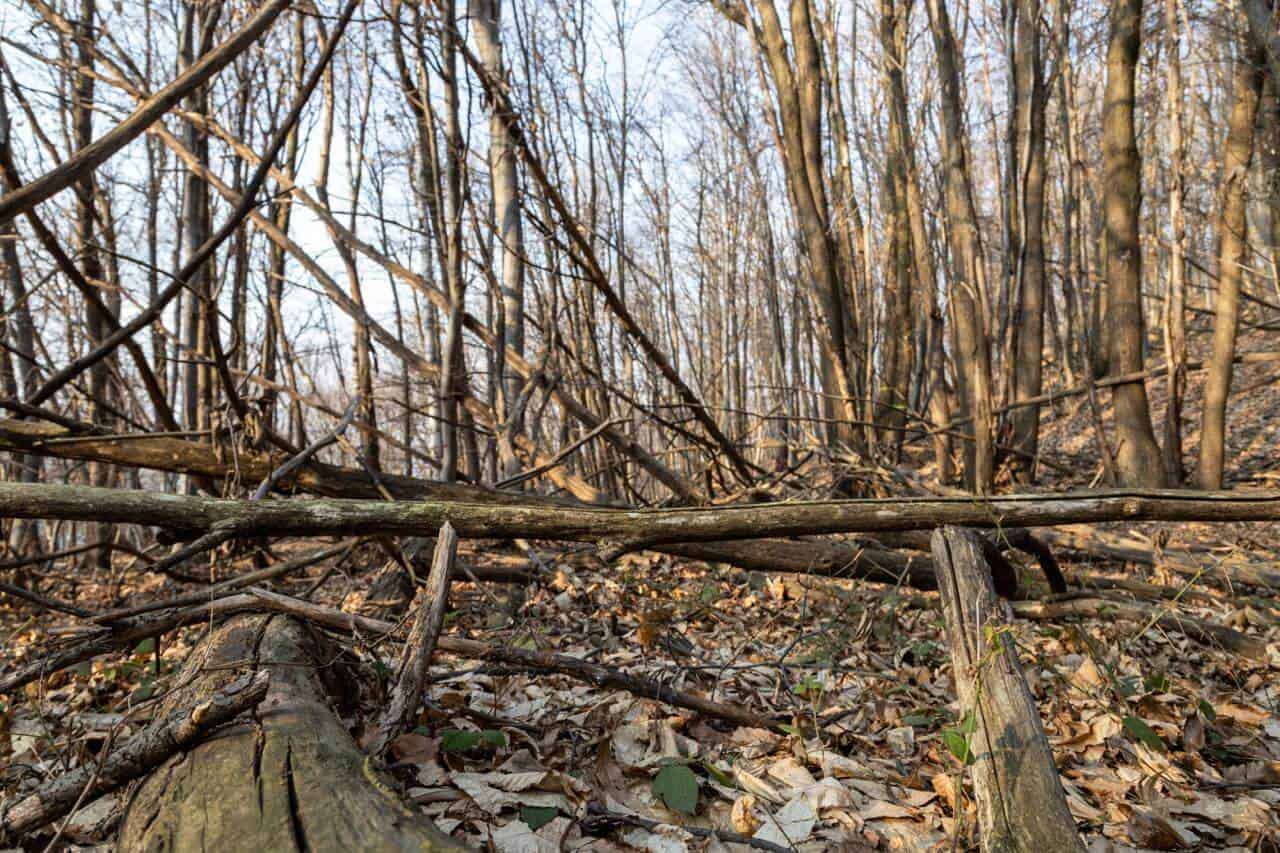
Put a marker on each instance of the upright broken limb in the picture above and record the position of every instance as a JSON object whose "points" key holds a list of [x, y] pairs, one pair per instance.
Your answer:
{"points": [[1021, 805], [411, 674]]}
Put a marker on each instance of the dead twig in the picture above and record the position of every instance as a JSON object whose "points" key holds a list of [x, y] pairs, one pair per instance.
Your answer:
{"points": [[138, 756]]}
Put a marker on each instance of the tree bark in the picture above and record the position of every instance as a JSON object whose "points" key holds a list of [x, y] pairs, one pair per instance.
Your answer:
{"points": [[1138, 460], [1021, 804], [1030, 279], [172, 734], [967, 291], [1175, 320], [1232, 246], [292, 780], [487, 18], [629, 529]]}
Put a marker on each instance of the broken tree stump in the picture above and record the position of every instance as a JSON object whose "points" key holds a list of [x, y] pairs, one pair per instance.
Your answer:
{"points": [[292, 780], [1021, 804]]}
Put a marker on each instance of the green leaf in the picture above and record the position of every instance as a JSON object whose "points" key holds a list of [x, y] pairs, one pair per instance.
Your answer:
{"points": [[83, 669], [719, 775], [958, 744], [1156, 684], [459, 740], [1143, 732], [969, 724], [922, 720], [1207, 711], [146, 647], [494, 737], [676, 785], [536, 817]]}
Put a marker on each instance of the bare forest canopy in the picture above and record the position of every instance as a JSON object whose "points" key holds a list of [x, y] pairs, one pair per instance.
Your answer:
{"points": [[780, 285]]}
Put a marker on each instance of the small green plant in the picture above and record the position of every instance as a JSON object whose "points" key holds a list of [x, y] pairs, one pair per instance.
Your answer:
{"points": [[464, 740], [536, 817], [677, 787], [959, 739]]}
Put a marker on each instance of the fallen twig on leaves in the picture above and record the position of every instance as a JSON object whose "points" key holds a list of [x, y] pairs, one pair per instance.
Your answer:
{"points": [[137, 757]]}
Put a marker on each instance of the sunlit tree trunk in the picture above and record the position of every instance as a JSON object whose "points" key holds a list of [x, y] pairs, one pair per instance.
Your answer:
{"points": [[1028, 265], [1175, 322], [1138, 460], [1232, 247]]}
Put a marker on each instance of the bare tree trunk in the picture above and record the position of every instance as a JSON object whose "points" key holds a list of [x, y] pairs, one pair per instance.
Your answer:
{"points": [[1175, 320], [1232, 247], [967, 291], [95, 326], [798, 93], [487, 18], [197, 33], [20, 336], [1029, 270], [1137, 456], [894, 396]]}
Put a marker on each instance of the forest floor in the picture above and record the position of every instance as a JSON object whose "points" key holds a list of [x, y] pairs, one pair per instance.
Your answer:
{"points": [[1163, 742]]}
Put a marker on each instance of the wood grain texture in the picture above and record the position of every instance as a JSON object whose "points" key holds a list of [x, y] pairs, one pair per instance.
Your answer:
{"points": [[1021, 805], [294, 780]]}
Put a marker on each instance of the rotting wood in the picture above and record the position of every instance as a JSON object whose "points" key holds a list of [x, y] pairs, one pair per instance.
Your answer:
{"points": [[179, 730], [294, 780], [1021, 804]]}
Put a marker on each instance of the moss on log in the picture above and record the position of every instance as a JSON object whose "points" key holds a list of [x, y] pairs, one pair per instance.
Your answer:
{"points": [[292, 780]]}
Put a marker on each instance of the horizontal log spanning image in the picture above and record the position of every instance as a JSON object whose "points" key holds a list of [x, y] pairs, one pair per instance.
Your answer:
{"points": [[630, 527]]}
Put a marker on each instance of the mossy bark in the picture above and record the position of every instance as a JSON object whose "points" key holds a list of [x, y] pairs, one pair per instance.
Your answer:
{"points": [[291, 780]]}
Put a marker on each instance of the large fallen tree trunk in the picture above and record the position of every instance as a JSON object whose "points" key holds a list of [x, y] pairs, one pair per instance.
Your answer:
{"points": [[629, 529], [164, 453], [292, 781]]}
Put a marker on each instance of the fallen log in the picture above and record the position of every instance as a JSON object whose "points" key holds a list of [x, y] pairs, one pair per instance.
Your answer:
{"points": [[1099, 544], [179, 456], [631, 529], [828, 557], [294, 780], [1206, 633], [175, 733], [1021, 804]]}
